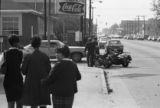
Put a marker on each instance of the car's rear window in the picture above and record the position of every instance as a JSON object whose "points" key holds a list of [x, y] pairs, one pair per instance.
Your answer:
{"points": [[114, 42]]}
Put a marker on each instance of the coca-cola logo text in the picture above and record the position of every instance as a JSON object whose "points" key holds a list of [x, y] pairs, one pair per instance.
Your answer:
{"points": [[71, 7]]}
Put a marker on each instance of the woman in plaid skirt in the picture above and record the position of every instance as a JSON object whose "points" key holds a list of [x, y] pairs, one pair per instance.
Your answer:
{"points": [[62, 80]]}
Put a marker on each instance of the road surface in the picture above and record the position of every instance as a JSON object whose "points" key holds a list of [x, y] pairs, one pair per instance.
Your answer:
{"points": [[142, 77]]}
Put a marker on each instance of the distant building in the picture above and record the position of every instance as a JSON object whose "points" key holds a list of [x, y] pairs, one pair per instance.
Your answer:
{"points": [[132, 27]]}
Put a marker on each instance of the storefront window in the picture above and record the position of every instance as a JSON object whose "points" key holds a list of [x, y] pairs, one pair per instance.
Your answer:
{"points": [[10, 26]]}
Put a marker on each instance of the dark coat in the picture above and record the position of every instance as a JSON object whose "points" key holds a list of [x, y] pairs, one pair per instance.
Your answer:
{"points": [[35, 66], [62, 79], [90, 47], [13, 80]]}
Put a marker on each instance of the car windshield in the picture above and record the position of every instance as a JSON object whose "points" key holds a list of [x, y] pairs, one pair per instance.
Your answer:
{"points": [[103, 39]]}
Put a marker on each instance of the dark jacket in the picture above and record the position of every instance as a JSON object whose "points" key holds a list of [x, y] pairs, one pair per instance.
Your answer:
{"points": [[90, 47], [13, 80], [63, 77], [36, 67]]}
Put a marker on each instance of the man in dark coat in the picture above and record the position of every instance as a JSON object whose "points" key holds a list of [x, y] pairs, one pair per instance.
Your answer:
{"points": [[90, 47]]}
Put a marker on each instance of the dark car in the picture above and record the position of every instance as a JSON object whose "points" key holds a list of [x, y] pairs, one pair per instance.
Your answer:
{"points": [[113, 45]]}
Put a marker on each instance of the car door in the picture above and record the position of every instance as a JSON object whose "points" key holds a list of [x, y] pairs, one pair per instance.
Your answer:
{"points": [[44, 48]]}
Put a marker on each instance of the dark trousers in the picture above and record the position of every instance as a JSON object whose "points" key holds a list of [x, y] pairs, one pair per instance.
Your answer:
{"points": [[90, 59]]}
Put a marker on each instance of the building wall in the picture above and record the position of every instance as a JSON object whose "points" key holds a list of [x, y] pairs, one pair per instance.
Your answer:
{"points": [[28, 27], [132, 26], [4, 44]]}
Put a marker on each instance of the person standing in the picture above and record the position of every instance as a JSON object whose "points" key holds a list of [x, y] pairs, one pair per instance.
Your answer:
{"points": [[35, 66], [96, 46], [90, 47], [62, 80], [13, 80]]}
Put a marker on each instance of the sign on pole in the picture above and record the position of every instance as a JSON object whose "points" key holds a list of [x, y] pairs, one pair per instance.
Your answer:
{"points": [[1, 39], [78, 36], [74, 7]]}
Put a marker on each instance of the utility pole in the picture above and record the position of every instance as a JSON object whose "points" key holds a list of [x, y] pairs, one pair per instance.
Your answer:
{"points": [[49, 21], [132, 27], [135, 31], [45, 19], [144, 25], [138, 25], [92, 18], [0, 8], [90, 22], [49, 25], [127, 28], [85, 16]]}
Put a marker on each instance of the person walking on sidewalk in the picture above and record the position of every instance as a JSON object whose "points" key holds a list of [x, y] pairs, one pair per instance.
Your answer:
{"points": [[35, 66], [62, 80], [13, 80]]}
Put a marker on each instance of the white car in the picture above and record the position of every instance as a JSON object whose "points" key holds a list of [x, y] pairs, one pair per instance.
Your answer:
{"points": [[102, 41], [77, 52]]}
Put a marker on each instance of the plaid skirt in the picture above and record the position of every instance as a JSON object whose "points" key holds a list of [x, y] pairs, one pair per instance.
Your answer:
{"points": [[62, 102]]}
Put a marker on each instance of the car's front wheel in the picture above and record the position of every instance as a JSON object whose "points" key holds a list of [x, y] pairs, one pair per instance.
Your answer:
{"points": [[76, 57]]}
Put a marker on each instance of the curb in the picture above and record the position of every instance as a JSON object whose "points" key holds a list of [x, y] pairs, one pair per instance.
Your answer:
{"points": [[105, 82], [104, 86]]}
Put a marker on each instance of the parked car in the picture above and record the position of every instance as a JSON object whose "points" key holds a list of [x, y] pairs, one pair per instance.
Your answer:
{"points": [[158, 39], [77, 52], [149, 38], [114, 45], [154, 38], [130, 37]]}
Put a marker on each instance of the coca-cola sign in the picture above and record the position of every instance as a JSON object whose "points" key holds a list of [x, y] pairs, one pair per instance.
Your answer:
{"points": [[76, 7]]}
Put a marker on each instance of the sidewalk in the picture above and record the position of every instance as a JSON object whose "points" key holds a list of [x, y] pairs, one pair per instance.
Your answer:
{"points": [[93, 93]]}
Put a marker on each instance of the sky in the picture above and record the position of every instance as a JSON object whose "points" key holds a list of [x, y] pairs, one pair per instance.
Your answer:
{"points": [[110, 12]]}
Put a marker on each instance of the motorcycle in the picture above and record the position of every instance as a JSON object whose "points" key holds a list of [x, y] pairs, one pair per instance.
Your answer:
{"points": [[119, 58], [102, 60], [115, 58]]}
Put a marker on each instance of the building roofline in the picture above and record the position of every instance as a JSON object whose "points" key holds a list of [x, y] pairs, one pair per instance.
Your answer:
{"points": [[22, 11], [27, 11]]}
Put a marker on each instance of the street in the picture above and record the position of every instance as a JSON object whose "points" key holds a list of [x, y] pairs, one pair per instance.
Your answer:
{"points": [[142, 76], [137, 86]]}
